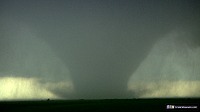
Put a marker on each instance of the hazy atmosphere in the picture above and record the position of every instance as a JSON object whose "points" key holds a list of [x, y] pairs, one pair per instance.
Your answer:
{"points": [[99, 49]]}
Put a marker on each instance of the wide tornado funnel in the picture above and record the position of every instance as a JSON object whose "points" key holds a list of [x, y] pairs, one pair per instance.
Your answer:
{"points": [[29, 68], [171, 69]]}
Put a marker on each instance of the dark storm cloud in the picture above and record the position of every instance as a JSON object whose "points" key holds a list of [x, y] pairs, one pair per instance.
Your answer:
{"points": [[102, 42]]}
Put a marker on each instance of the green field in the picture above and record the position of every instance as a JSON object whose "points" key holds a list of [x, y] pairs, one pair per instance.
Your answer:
{"points": [[98, 105]]}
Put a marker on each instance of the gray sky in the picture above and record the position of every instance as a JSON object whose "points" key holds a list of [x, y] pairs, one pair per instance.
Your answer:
{"points": [[96, 44]]}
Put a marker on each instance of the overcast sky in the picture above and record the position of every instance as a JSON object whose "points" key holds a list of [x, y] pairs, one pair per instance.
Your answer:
{"points": [[94, 45]]}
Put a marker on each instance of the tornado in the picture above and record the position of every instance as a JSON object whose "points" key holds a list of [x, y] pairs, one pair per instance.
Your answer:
{"points": [[29, 68], [171, 69]]}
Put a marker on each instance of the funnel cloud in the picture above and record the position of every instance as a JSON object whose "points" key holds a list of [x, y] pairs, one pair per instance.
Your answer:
{"points": [[30, 69], [171, 69]]}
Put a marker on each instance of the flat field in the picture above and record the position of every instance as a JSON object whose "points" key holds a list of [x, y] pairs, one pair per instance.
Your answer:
{"points": [[158, 104]]}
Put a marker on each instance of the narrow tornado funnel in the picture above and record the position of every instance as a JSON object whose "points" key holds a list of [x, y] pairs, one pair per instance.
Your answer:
{"points": [[171, 69], [29, 69]]}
